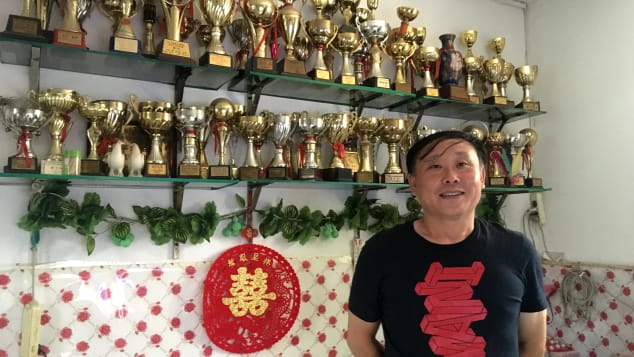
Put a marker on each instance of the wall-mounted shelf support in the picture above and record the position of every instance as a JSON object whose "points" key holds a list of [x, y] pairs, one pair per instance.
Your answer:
{"points": [[178, 191]]}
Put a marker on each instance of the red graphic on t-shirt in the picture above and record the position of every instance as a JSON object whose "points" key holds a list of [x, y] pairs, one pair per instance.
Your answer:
{"points": [[451, 310]]}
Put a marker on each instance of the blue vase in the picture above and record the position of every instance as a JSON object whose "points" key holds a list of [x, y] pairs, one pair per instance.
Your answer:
{"points": [[451, 62]]}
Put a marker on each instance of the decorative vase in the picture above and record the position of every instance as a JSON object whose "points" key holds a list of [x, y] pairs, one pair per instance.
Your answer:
{"points": [[451, 61]]}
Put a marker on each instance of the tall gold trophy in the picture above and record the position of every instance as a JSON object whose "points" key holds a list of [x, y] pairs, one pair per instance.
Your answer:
{"points": [[400, 46], [149, 19], [525, 77], [527, 158], [494, 73], [472, 65], [516, 144], [339, 126], [218, 14], [32, 25], [120, 12], [156, 118], [92, 111], [171, 48], [251, 126], [367, 127], [321, 31], [260, 16], [289, 20], [392, 132], [71, 33], [222, 111], [499, 166], [424, 58]]}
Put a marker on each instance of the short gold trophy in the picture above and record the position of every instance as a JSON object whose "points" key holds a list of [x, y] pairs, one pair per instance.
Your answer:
{"points": [[311, 127], [188, 120], [221, 110], [71, 32], [93, 112], [494, 72], [347, 42], [156, 118], [218, 14], [33, 22], [525, 77], [321, 31], [392, 132], [339, 126], [507, 73], [367, 127], [527, 158], [120, 13], [499, 166], [260, 16], [251, 126], [171, 48], [472, 65], [289, 20], [149, 19], [423, 59]]}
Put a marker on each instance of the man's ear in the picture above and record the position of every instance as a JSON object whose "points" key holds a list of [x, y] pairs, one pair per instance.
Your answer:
{"points": [[411, 180], [483, 176]]}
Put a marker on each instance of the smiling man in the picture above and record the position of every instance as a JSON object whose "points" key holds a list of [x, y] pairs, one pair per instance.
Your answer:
{"points": [[448, 284]]}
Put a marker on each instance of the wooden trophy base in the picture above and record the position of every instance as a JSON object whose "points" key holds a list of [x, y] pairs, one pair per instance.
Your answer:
{"points": [[349, 79], [292, 67], [533, 182], [377, 82], [248, 173], [496, 181], [475, 99], [528, 106], [216, 60], [454, 93], [26, 28], [320, 74], [367, 176], [403, 87], [309, 174], [92, 167], [156, 170], [69, 38], [220, 172], [277, 173], [189, 170], [52, 167], [19, 165], [125, 45], [338, 174], [175, 51], [428, 92], [393, 178], [261, 64], [497, 100]]}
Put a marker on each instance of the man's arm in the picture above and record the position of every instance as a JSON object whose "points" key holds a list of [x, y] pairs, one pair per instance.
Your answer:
{"points": [[532, 334], [362, 337]]}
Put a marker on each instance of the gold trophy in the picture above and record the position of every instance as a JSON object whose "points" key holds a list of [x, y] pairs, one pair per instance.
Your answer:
{"points": [[59, 102], [260, 16], [156, 118], [374, 33], [120, 12], [311, 127], [20, 117], [289, 21], [527, 158], [32, 25], [71, 33], [499, 166], [507, 73], [241, 36], [494, 71], [424, 58], [221, 111], [339, 126], [282, 128], [392, 133], [92, 111], [251, 126], [472, 65], [367, 127], [498, 44], [171, 47], [525, 77], [346, 43], [400, 46], [115, 115], [189, 120], [321, 31], [217, 13], [149, 19], [516, 144]]}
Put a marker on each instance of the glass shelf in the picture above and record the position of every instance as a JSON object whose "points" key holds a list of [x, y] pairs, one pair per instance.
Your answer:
{"points": [[113, 64]]}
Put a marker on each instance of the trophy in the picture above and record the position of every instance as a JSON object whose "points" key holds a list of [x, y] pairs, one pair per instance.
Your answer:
{"points": [[346, 43], [114, 116], [423, 59], [321, 31], [366, 127], [92, 111], [311, 127], [400, 46], [493, 72], [260, 16], [171, 48], [374, 33], [392, 132], [451, 69], [188, 121], [221, 111], [472, 65], [156, 118], [217, 13], [338, 127], [289, 21], [527, 161], [20, 117], [507, 73], [499, 166], [498, 44], [239, 32], [516, 144], [71, 33], [250, 126], [33, 22], [149, 19], [120, 12], [525, 77], [282, 128]]}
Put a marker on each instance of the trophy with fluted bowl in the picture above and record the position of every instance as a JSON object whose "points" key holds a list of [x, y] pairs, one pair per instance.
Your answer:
{"points": [[494, 73], [311, 127], [499, 166], [251, 126], [92, 111], [120, 13], [400, 46], [321, 31], [282, 128], [260, 16], [525, 77], [115, 115], [339, 126], [218, 14], [392, 132], [424, 58], [374, 33], [289, 20], [366, 127], [156, 118], [71, 32], [171, 48], [188, 121], [472, 65], [221, 111]]}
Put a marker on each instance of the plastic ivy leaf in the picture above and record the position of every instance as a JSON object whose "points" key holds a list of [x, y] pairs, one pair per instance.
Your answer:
{"points": [[90, 244], [241, 201]]}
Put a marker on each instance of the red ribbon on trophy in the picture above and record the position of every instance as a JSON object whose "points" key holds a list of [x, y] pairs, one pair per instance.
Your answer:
{"points": [[340, 150], [251, 299], [23, 149]]}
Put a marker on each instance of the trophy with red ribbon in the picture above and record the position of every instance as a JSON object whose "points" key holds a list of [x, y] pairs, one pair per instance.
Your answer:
{"points": [[221, 111], [499, 166], [338, 127]]}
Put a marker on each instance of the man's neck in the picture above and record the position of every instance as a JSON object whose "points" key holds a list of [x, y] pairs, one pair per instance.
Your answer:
{"points": [[444, 230]]}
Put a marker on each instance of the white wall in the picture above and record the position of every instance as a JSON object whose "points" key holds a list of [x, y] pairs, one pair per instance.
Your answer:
{"points": [[490, 18]]}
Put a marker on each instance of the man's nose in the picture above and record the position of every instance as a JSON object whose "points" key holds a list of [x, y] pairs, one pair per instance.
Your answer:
{"points": [[450, 175]]}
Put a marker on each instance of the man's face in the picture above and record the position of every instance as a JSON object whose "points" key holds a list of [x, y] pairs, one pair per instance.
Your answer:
{"points": [[448, 180]]}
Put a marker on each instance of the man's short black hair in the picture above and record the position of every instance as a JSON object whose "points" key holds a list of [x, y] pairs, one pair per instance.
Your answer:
{"points": [[428, 143]]}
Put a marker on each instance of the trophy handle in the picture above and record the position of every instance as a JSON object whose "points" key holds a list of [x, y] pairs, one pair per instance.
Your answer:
{"points": [[33, 95], [133, 108], [83, 100]]}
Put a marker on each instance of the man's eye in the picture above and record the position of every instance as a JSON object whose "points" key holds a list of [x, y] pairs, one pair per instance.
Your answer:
{"points": [[434, 166]]}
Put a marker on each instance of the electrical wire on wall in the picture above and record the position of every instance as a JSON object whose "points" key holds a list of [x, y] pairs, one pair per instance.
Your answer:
{"points": [[577, 294]]}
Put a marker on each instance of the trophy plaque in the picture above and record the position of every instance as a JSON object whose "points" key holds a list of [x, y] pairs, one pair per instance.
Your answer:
{"points": [[71, 32], [392, 132], [338, 127], [156, 118], [260, 16], [120, 13], [472, 65], [498, 167], [283, 127], [289, 21], [525, 77], [366, 127], [311, 127], [222, 111], [188, 121], [217, 13], [251, 126], [171, 48], [527, 158], [33, 22]]}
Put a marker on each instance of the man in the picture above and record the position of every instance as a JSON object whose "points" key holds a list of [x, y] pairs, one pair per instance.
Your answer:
{"points": [[448, 284]]}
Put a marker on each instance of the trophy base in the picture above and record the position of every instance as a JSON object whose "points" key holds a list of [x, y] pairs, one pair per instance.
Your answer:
{"points": [[378, 82], [367, 176], [352, 160], [310, 174], [26, 28], [216, 60], [475, 99], [52, 167], [339, 174], [428, 92], [497, 100], [349, 79], [261, 64], [393, 178], [69, 38], [155, 170], [533, 182], [320, 74], [189, 170], [125, 45], [403, 87], [277, 173], [220, 172], [19, 165], [175, 51], [249, 173], [528, 106], [92, 167], [292, 67], [517, 181], [496, 181], [454, 93]]}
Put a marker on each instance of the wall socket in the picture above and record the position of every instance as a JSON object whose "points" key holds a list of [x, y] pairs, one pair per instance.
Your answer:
{"points": [[538, 204]]}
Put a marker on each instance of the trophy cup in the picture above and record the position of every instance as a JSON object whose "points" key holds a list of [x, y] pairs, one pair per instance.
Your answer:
{"points": [[33, 22], [366, 127], [21, 118], [392, 132], [347, 42], [525, 77], [400, 46], [289, 21], [217, 13], [171, 48], [451, 68], [282, 128], [71, 33], [374, 33], [516, 144], [527, 161], [149, 19], [114, 116], [120, 12], [188, 120], [311, 127], [507, 73], [92, 111], [499, 166], [239, 32], [156, 118], [321, 31], [260, 16], [250, 126], [424, 58], [498, 44], [221, 112], [472, 65], [494, 71], [59, 102], [338, 127]]}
